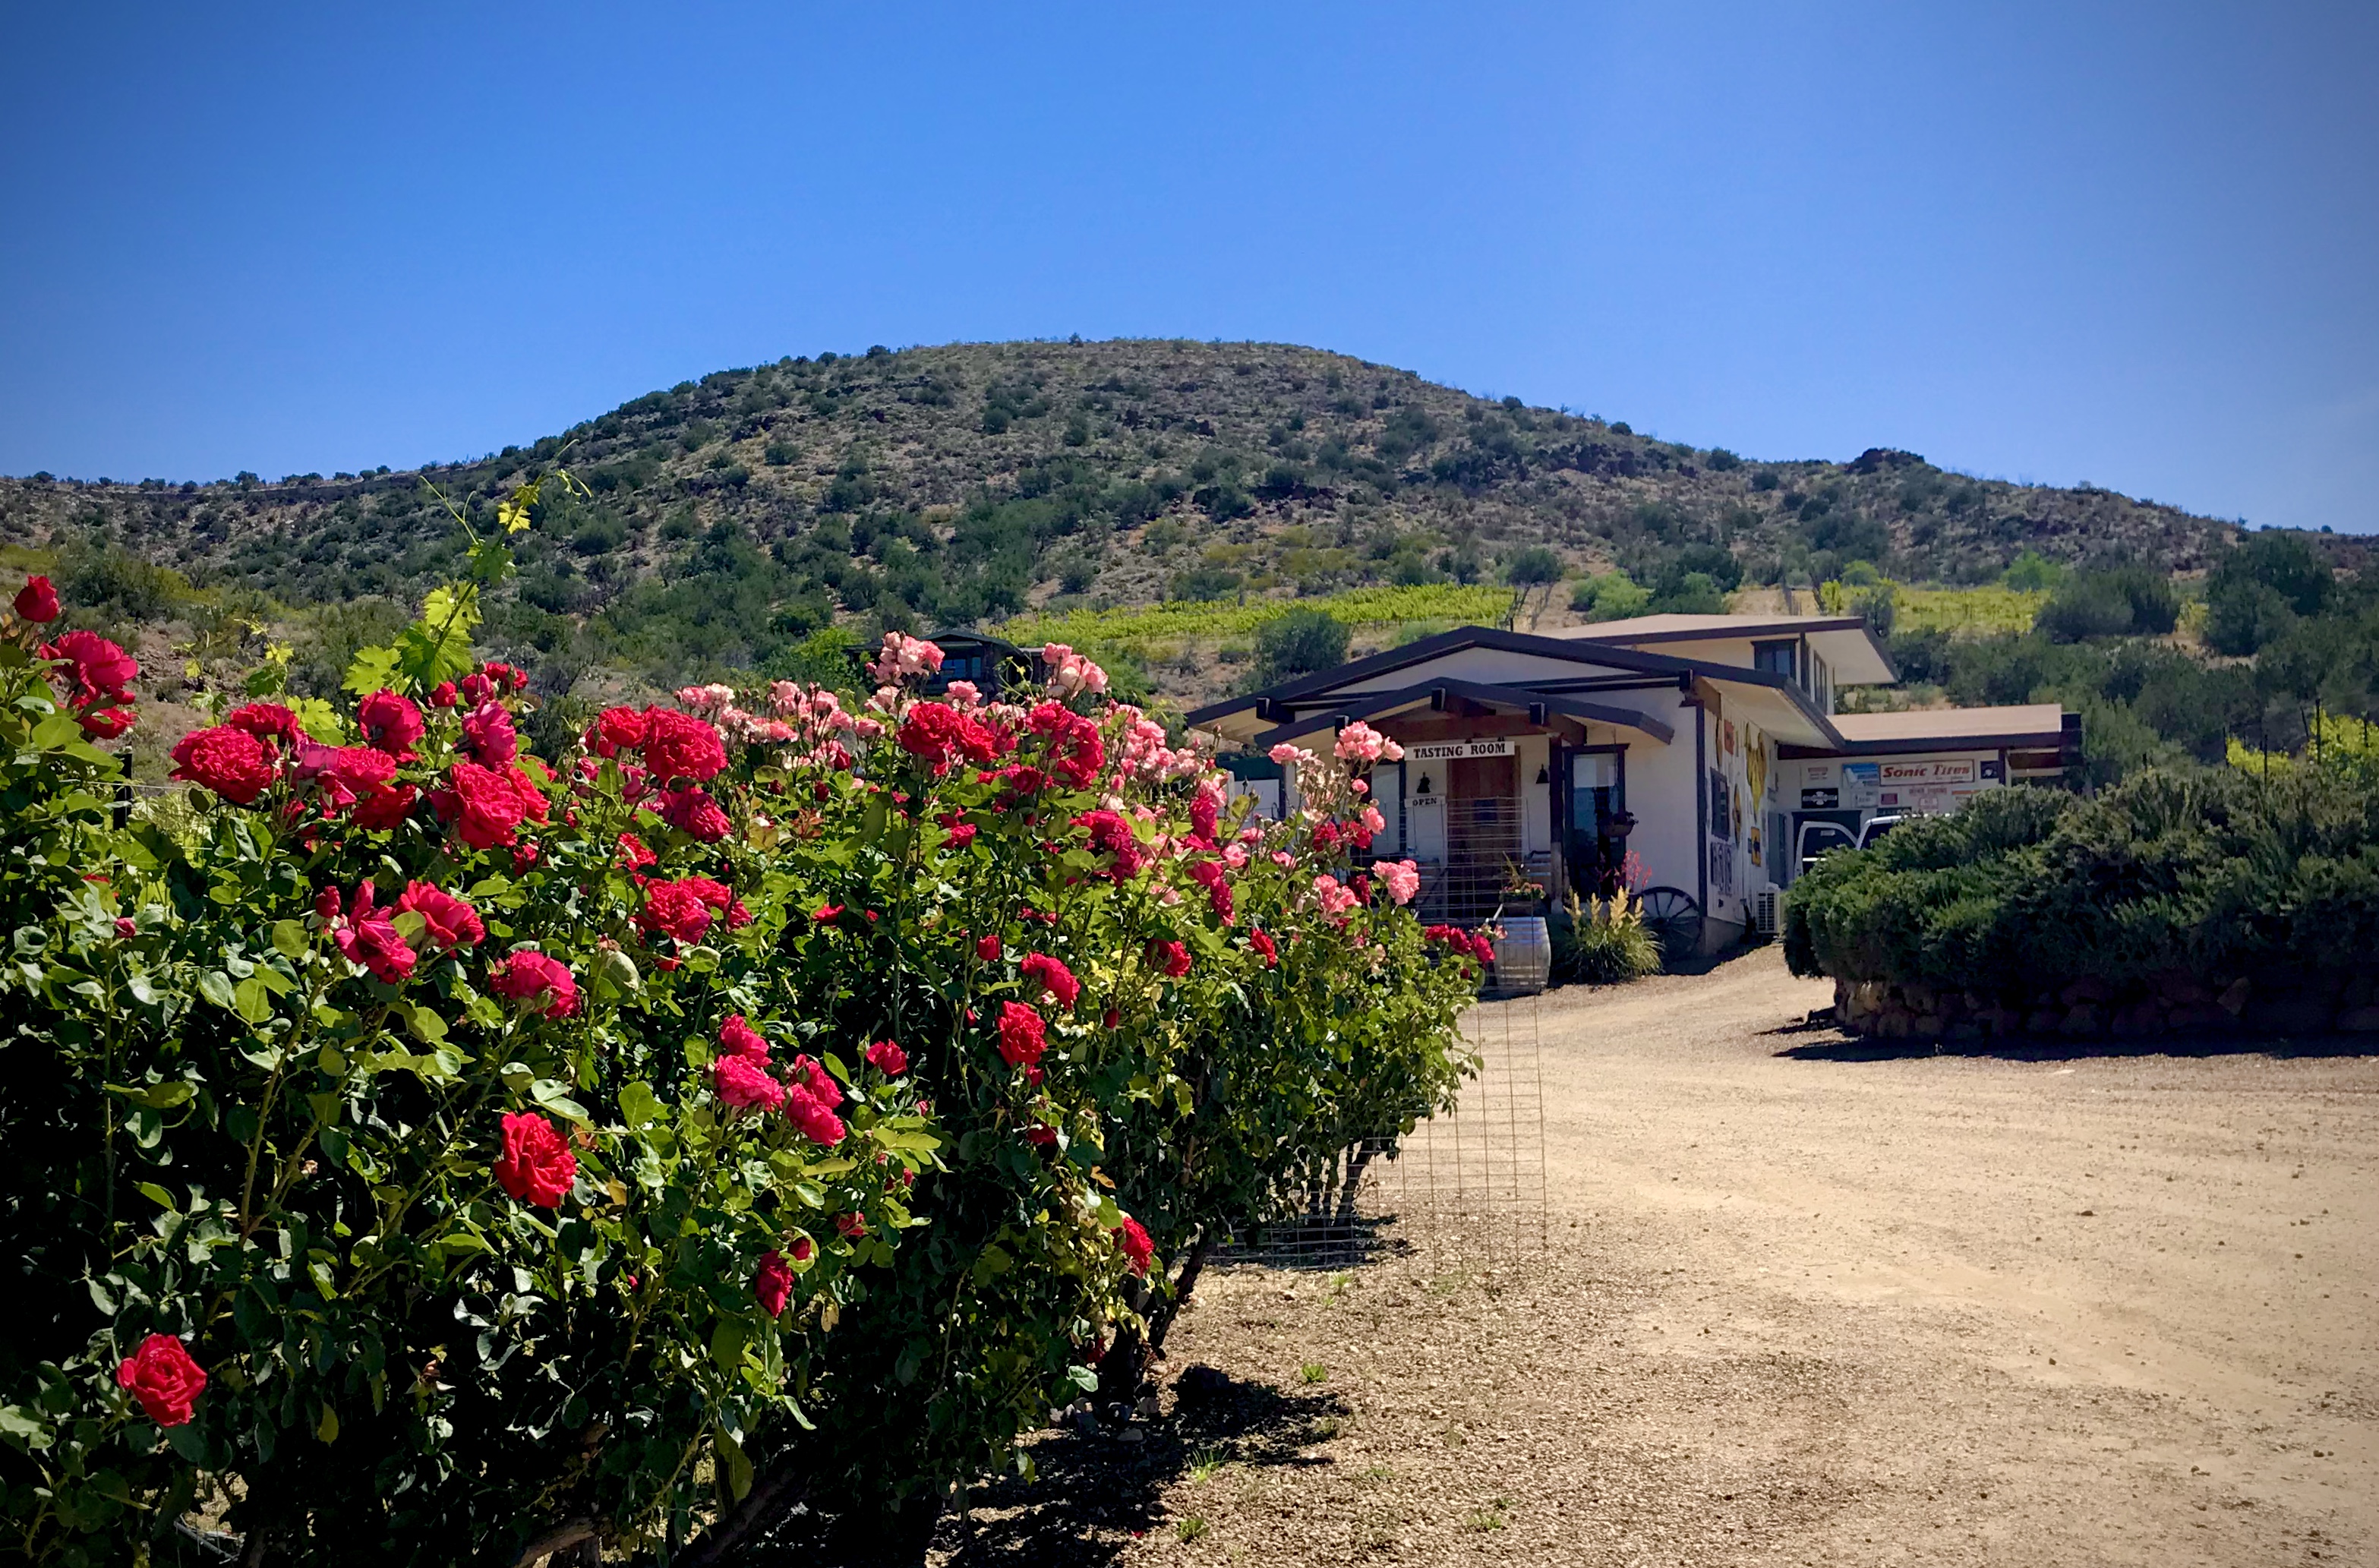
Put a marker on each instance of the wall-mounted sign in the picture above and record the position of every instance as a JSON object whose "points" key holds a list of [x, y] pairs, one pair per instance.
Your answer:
{"points": [[1821, 800], [1447, 751], [1911, 775]]}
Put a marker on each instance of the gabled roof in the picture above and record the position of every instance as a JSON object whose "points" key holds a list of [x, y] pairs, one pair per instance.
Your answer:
{"points": [[1846, 642], [1329, 689]]}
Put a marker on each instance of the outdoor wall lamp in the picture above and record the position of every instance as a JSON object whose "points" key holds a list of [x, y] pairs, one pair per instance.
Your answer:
{"points": [[1423, 790], [1544, 774]]}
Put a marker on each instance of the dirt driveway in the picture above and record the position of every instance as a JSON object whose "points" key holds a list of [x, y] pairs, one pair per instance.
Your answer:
{"points": [[1805, 1303]]}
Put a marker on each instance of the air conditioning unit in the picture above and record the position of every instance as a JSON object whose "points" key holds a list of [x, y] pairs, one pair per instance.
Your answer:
{"points": [[1767, 910]]}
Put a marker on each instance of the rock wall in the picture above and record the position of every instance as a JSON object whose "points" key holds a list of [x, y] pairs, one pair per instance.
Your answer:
{"points": [[2090, 1009]]}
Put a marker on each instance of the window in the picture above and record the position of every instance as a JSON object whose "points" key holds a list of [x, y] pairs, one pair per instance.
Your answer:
{"points": [[1776, 659]]}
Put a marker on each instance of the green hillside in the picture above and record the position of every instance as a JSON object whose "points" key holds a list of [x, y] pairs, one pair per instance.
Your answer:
{"points": [[729, 517]]}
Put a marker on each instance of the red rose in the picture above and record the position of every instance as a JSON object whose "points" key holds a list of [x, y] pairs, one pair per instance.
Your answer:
{"points": [[449, 921], [827, 914], [1075, 750], [802, 1248], [821, 1085], [1040, 1137], [773, 1284], [745, 1084], [940, 735], [161, 1376], [888, 1055], [1263, 943], [268, 721], [814, 1117], [1209, 876], [1053, 977], [678, 745], [37, 601], [105, 672], [368, 937], [444, 695], [383, 809], [851, 1225], [532, 977], [1132, 1236], [676, 911], [489, 736], [1111, 834], [485, 806], [1023, 1035], [105, 723], [1170, 957], [738, 1038], [694, 814], [633, 855], [615, 729], [391, 722], [231, 763], [987, 949], [536, 1165], [476, 688]]}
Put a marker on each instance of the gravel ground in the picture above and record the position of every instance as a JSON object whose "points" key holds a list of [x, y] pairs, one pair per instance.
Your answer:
{"points": [[1805, 1301]]}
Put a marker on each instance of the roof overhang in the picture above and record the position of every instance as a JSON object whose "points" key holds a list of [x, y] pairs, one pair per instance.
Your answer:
{"points": [[1433, 696], [1771, 701]]}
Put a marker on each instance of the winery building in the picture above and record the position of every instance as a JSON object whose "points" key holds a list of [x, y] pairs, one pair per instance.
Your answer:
{"points": [[1699, 756]]}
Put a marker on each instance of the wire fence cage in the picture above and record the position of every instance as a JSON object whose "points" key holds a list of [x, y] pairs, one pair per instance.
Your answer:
{"points": [[1464, 1188]]}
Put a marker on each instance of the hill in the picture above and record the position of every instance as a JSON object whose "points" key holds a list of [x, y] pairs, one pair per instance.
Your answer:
{"points": [[727, 520]]}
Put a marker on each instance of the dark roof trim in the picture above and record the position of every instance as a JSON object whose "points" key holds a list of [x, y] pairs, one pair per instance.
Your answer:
{"points": [[1363, 705], [1767, 631], [1609, 655], [2045, 740]]}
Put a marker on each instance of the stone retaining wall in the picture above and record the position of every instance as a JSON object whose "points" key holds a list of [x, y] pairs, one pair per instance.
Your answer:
{"points": [[2090, 1008]]}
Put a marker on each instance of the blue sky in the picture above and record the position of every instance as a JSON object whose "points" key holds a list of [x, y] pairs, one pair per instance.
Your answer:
{"points": [[2134, 244]]}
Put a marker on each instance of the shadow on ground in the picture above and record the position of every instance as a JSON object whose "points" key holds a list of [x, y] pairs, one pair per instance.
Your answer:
{"points": [[1830, 1044], [1093, 1493]]}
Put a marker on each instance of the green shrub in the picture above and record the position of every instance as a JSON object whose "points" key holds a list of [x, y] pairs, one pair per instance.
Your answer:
{"points": [[2212, 871], [1602, 942], [2118, 602]]}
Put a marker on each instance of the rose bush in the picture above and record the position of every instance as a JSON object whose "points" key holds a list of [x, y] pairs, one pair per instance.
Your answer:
{"points": [[429, 1153]]}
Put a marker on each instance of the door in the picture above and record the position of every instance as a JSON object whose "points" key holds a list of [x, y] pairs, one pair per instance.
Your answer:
{"points": [[1598, 792], [1482, 833]]}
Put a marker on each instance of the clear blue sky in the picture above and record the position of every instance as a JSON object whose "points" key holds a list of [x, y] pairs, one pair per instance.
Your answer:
{"points": [[2135, 245]]}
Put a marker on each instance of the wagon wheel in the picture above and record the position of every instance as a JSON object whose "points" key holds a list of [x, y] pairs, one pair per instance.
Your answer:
{"points": [[1674, 919]]}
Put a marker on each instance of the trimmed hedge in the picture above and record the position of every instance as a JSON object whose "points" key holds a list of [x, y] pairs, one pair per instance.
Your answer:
{"points": [[2212, 873]]}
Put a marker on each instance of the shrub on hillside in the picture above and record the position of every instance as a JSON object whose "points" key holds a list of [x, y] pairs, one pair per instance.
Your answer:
{"points": [[2119, 602]]}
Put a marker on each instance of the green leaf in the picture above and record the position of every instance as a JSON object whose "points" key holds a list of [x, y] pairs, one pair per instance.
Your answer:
{"points": [[639, 1105], [156, 1195], [1083, 1378], [371, 669], [215, 986], [23, 1428], [329, 1429], [872, 821], [425, 1025], [555, 1097], [159, 1096], [727, 1343], [737, 1466], [252, 1001]]}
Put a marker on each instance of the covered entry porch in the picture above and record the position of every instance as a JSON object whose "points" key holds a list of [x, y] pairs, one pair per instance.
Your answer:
{"points": [[1507, 799]]}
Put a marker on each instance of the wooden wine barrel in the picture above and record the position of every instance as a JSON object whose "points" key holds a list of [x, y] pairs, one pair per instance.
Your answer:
{"points": [[1524, 956]]}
